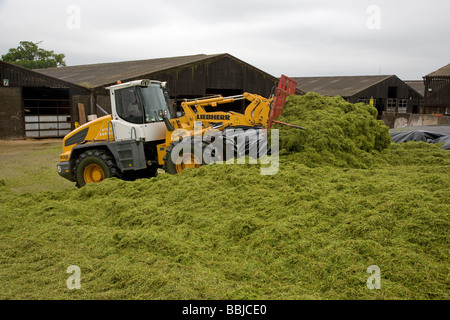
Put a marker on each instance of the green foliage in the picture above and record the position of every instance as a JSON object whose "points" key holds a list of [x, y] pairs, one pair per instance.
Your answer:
{"points": [[30, 56]]}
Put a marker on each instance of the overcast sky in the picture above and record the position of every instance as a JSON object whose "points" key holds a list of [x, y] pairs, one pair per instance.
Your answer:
{"points": [[408, 38]]}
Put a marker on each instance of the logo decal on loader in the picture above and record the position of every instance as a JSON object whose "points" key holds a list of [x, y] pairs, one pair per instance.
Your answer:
{"points": [[212, 117]]}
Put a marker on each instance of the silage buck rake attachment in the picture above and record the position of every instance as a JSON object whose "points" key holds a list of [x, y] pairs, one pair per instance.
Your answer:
{"points": [[286, 87]]}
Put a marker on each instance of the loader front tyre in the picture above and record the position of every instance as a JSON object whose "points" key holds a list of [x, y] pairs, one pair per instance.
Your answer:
{"points": [[94, 166], [181, 155]]}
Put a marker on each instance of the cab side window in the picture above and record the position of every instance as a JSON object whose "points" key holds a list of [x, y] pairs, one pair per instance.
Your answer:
{"points": [[128, 106]]}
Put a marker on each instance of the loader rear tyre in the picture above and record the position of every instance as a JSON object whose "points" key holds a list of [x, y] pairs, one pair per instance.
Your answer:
{"points": [[181, 155], [94, 166]]}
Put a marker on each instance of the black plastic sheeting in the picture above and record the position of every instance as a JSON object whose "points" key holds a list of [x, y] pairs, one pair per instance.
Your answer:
{"points": [[237, 142], [421, 135]]}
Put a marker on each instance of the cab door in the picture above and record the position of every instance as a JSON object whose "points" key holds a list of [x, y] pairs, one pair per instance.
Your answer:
{"points": [[128, 115]]}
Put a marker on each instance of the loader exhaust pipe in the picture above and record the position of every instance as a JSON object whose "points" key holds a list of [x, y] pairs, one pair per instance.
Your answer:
{"points": [[102, 110]]}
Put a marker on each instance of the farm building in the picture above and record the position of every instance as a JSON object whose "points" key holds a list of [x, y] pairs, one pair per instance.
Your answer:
{"points": [[48, 102], [386, 92], [35, 105], [187, 77], [437, 91], [417, 85]]}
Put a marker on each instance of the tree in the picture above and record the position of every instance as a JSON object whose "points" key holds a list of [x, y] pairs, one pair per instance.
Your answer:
{"points": [[30, 56]]}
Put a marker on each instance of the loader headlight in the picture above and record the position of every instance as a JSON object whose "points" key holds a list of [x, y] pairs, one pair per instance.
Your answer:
{"points": [[162, 113], [145, 83]]}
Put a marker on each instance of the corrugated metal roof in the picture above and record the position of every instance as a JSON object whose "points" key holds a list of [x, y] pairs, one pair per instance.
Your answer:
{"points": [[345, 86], [96, 75], [417, 85], [27, 77], [442, 72]]}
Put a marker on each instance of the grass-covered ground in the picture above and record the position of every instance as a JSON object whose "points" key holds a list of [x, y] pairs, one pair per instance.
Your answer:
{"points": [[226, 232], [29, 166]]}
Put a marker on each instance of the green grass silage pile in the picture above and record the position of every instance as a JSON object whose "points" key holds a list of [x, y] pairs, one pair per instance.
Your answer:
{"points": [[227, 232], [338, 133]]}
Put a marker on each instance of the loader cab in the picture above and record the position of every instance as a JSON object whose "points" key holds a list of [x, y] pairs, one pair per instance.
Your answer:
{"points": [[139, 102], [138, 108]]}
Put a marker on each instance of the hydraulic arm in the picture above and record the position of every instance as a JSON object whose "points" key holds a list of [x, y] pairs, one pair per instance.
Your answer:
{"points": [[256, 113]]}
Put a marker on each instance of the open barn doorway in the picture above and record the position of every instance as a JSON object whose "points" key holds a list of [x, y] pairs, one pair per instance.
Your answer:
{"points": [[47, 112]]}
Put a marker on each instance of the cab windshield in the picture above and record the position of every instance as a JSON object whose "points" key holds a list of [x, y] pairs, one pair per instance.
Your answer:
{"points": [[153, 100]]}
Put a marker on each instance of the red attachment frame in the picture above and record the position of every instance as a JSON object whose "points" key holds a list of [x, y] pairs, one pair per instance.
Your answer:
{"points": [[286, 87]]}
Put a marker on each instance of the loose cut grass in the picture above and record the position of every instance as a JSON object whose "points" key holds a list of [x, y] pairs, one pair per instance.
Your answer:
{"points": [[226, 232], [344, 199], [338, 133]]}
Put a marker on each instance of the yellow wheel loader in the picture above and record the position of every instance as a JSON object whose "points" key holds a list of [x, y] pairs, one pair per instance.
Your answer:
{"points": [[139, 136]]}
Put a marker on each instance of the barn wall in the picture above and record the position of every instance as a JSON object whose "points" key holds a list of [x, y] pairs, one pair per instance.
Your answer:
{"points": [[222, 75], [380, 92], [12, 80], [437, 95], [76, 99], [11, 115], [381, 89]]}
